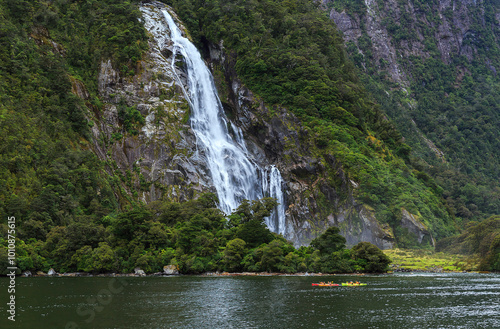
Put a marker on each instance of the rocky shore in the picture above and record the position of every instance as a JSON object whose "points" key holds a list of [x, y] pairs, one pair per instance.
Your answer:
{"points": [[141, 273], [167, 271], [172, 270]]}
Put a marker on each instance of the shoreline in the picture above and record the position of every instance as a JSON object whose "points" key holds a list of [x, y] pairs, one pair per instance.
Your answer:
{"points": [[207, 274], [228, 274]]}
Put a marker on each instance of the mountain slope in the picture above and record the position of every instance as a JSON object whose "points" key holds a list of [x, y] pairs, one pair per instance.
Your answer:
{"points": [[110, 126], [269, 46], [433, 67]]}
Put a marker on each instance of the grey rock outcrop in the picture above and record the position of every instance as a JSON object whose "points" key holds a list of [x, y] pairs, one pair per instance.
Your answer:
{"points": [[139, 272], [416, 227], [160, 158], [170, 270], [362, 225]]}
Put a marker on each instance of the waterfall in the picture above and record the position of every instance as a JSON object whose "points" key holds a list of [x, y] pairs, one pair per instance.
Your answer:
{"points": [[235, 175], [272, 184]]}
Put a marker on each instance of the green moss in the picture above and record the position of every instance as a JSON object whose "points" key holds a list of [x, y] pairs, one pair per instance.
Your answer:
{"points": [[429, 260], [187, 113]]}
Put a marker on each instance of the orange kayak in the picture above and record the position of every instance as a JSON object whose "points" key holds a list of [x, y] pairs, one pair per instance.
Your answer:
{"points": [[326, 284]]}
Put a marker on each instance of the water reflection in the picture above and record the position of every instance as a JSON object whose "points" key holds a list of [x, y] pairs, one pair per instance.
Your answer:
{"points": [[398, 301]]}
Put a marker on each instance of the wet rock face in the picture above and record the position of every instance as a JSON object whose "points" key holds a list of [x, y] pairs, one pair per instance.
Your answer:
{"points": [[275, 136], [362, 225], [416, 227], [161, 157]]}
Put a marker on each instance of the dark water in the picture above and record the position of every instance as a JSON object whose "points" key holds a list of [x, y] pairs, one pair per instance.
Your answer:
{"points": [[392, 301]]}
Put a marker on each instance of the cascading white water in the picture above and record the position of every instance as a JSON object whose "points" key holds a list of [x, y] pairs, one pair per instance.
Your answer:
{"points": [[276, 190], [234, 175]]}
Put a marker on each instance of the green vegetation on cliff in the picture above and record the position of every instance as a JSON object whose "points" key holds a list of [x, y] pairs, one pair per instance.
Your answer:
{"points": [[48, 174], [450, 55], [479, 239], [290, 54], [50, 179]]}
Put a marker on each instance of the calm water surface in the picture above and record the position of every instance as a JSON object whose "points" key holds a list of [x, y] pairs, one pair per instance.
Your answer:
{"points": [[391, 301]]}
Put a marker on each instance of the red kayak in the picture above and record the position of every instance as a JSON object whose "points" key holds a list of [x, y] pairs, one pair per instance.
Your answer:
{"points": [[326, 284]]}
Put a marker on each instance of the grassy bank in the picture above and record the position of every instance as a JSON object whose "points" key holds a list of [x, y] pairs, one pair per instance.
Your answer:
{"points": [[428, 260]]}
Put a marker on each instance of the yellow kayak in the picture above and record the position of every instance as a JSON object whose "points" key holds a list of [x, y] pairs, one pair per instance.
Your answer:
{"points": [[346, 284]]}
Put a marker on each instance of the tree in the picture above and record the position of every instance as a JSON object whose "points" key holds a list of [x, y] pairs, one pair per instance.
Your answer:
{"points": [[330, 241], [130, 224], [272, 256], [256, 210], [254, 233], [233, 255], [492, 259], [82, 259], [103, 258], [370, 258]]}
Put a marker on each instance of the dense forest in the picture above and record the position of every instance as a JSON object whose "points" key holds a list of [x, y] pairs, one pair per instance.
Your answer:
{"points": [[194, 236], [73, 215], [452, 97]]}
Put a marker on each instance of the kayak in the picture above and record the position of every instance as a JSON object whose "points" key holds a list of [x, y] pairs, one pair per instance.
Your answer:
{"points": [[326, 284], [353, 284]]}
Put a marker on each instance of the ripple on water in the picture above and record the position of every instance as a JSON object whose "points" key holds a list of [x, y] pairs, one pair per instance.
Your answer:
{"points": [[463, 301]]}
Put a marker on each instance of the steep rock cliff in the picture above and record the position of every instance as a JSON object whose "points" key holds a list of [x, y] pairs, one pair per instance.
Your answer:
{"points": [[160, 157], [319, 194], [430, 64], [401, 29]]}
